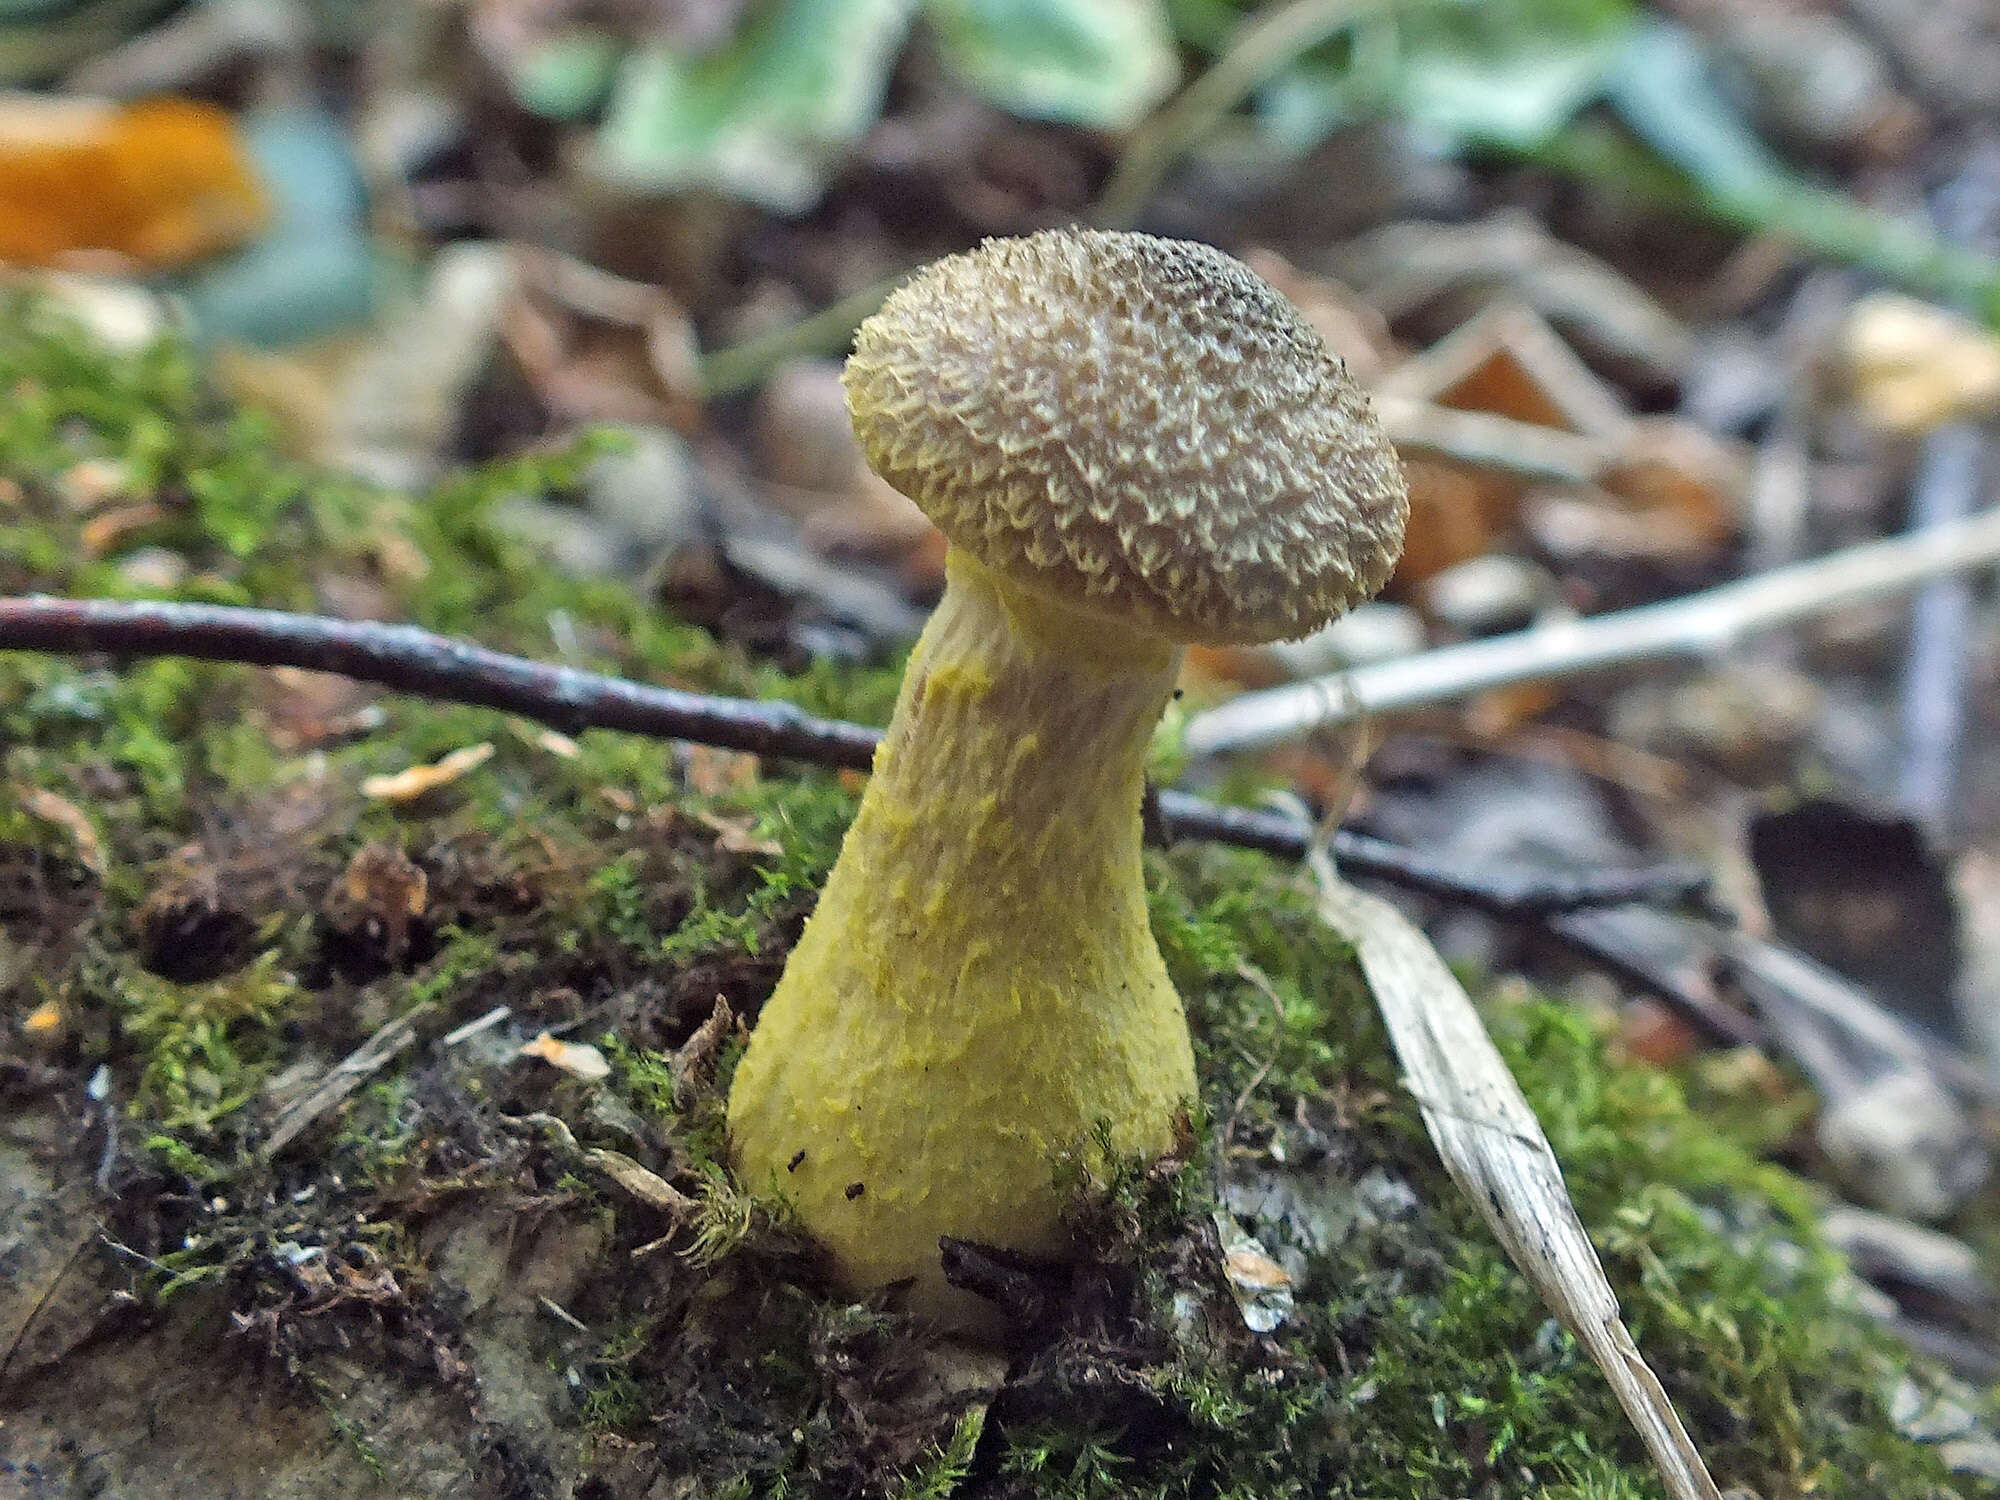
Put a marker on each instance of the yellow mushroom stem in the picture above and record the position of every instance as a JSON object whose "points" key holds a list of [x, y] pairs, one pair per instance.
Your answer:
{"points": [[979, 988]]}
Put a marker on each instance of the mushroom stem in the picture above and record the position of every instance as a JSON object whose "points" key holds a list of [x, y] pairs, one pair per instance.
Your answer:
{"points": [[979, 990]]}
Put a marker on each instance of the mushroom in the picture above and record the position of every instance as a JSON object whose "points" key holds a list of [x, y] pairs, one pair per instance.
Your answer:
{"points": [[1131, 444]]}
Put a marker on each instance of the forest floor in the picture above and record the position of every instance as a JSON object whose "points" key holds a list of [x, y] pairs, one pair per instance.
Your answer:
{"points": [[295, 1199]]}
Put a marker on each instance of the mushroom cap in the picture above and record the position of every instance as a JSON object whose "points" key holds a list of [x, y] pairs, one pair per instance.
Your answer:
{"points": [[1137, 426]]}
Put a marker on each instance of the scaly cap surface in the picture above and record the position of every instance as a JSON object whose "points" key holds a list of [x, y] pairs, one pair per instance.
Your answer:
{"points": [[1136, 425]]}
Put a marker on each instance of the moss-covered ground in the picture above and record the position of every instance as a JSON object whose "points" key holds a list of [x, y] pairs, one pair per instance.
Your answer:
{"points": [[202, 914]]}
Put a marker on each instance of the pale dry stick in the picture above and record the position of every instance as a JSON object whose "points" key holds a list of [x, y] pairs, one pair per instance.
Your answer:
{"points": [[472, 1028], [1495, 1150], [1265, 48], [1522, 450], [1937, 658], [344, 1077], [1697, 627], [642, 1183]]}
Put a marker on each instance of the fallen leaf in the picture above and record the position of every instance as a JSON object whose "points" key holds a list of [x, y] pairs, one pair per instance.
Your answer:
{"points": [[555, 742], [43, 1020], [713, 772], [765, 119], [1494, 1149], [1654, 1034], [599, 348], [1414, 270], [1510, 362], [1256, 1271], [379, 895], [1505, 362], [1690, 484], [871, 519], [103, 533], [39, 802], [160, 183], [579, 1059], [1262, 1288], [407, 786], [1101, 64], [1670, 495], [85, 486], [1455, 515], [1913, 367], [1500, 711], [737, 835]]}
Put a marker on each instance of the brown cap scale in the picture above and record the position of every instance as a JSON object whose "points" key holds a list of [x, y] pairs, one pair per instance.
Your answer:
{"points": [[1131, 443]]}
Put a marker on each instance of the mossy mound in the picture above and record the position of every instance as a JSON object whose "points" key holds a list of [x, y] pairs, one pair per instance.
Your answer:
{"points": [[468, 1272]]}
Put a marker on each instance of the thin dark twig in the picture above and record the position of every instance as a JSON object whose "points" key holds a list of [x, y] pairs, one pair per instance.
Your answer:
{"points": [[412, 660], [42, 1301], [417, 661], [1553, 903], [1605, 945], [1528, 896]]}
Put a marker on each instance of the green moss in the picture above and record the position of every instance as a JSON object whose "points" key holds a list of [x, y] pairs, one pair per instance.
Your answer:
{"points": [[948, 1466], [726, 1219], [467, 959], [615, 1398], [377, 1135], [1418, 1363], [174, 1154], [207, 1046], [348, 1430], [602, 896]]}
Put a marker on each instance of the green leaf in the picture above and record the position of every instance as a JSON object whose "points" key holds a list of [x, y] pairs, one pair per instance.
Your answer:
{"points": [[1510, 71], [764, 119], [566, 76], [1098, 63], [1715, 163], [1484, 72]]}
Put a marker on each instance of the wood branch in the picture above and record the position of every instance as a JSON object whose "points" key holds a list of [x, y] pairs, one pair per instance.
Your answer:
{"points": [[1698, 627], [411, 660], [434, 666]]}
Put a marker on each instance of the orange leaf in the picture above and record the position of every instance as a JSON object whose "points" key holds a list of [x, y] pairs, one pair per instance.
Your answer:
{"points": [[1455, 514], [160, 183], [40, 802], [419, 781]]}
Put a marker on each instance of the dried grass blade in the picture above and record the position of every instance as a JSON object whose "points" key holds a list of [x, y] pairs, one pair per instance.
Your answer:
{"points": [[1495, 1150]]}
